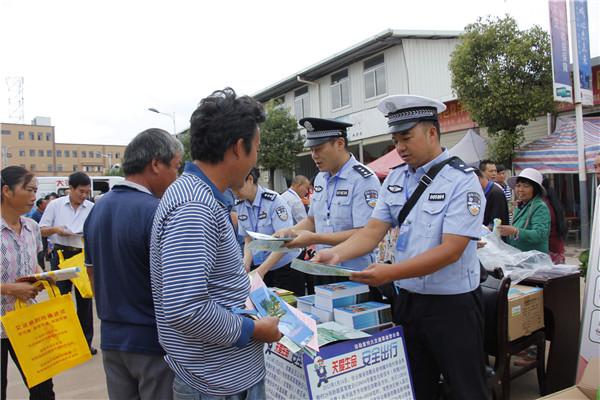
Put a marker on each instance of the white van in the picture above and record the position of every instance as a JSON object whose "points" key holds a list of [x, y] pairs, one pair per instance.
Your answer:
{"points": [[60, 184]]}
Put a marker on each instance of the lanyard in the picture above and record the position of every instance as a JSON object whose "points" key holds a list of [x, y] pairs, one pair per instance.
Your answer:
{"points": [[488, 187], [255, 222], [329, 200], [406, 181]]}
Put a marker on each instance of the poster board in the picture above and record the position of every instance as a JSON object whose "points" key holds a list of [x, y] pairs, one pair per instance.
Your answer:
{"points": [[368, 368]]}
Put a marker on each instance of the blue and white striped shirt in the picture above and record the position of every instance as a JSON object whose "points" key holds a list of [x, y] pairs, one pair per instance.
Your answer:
{"points": [[197, 278]]}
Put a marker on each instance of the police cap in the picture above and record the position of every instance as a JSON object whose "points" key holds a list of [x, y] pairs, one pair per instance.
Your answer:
{"points": [[405, 111], [319, 130]]}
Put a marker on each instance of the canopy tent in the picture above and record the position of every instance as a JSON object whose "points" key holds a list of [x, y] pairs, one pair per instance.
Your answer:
{"points": [[383, 164], [557, 153], [471, 148]]}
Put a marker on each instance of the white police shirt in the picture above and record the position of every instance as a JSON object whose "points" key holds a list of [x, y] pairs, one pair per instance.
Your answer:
{"points": [[345, 201], [267, 214], [453, 204], [296, 205]]}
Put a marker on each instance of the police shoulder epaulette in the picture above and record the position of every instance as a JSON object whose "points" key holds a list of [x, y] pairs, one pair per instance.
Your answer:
{"points": [[362, 170], [399, 165], [269, 195], [457, 163]]}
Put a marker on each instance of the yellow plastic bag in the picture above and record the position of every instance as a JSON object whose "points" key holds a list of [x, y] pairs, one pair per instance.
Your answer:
{"points": [[82, 281], [47, 337]]}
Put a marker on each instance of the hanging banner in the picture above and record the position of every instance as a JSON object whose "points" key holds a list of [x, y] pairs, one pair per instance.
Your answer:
{"points": [[583, 52], [561, 66]]}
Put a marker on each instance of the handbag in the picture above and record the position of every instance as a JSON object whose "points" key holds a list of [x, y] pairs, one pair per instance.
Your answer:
{"points": [[82, 280], [47, 337]]}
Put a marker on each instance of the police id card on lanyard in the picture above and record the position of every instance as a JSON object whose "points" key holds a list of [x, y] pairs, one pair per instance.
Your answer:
{"points": [[404, 234], [329, 199]]}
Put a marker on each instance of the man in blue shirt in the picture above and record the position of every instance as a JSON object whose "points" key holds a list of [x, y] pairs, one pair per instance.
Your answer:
{"points": [[436, 269], [117, 251], [199, 283], [345, 193]]}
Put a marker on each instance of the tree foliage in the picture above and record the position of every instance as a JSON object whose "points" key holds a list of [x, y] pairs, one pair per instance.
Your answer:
{"points": [[503, 77], [279, 141]]}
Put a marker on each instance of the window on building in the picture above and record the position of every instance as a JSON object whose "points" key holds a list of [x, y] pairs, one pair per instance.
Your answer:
{"points": [[31, 136], [58, 153], [67, 153], [40, 135], [8, 155], [74, 153], [21, 135], [32, 167], [83, 154], [48, 153], [48, 136], [74, 168], [31, 153], [86, 168], [374, 77], [21, 152], [301, 103], [22, 165], [50, 169], [98, 154], [59, 168], [40, 153], [91, 154], [340, 90], [5, 132], [117, 155]]}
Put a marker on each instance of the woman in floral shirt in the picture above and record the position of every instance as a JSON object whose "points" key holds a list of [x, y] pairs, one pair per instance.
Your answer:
{"points": [[20, 242]]}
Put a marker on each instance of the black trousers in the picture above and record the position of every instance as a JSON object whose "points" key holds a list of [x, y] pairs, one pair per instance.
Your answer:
{"points": [[444, 335], [286, 278], [41, 391], [84, 306]]}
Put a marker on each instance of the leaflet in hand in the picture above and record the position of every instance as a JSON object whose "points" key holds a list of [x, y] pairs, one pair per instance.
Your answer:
{"points": [[268, 303], [313, 268], [330, 332], [262, 236], [58, 275], [264, 242]]}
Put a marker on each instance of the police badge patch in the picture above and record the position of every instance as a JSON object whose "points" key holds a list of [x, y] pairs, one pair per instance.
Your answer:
{"points": [[371, 197], [394, 188], [282, 213], [473, 203], [242, 217], [318, 188], [262, 215]]}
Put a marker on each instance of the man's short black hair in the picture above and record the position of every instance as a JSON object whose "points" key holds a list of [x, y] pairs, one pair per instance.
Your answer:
{"points": [[79, 178], [53, 194], [500, 167], [484, 163], [39, 201], [220, 121]]}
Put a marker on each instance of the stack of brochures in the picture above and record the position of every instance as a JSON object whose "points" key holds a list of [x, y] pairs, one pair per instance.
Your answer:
{"points": [[286, 295], [367, 315], [328, 297]]}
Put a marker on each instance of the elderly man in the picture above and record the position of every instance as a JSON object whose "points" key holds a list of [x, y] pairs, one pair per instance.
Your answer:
{"points": [[117, 245]]}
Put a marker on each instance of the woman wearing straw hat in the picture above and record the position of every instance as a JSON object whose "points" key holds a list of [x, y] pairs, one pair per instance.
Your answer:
{"points": [[530, 229]]}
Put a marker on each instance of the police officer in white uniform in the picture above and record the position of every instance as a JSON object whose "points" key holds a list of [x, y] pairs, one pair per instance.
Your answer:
{"points": [[345, 193], [263, 210], [436, 273]]}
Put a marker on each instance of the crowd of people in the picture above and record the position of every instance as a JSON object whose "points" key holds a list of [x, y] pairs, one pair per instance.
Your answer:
{"points": [[170, 274]]}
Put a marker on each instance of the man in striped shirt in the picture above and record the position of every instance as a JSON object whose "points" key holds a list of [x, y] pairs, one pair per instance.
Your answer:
{"points": [[198, 277]]}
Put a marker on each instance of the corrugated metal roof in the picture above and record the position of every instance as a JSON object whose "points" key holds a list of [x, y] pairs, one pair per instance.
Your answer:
{"points": [[364, 49]]}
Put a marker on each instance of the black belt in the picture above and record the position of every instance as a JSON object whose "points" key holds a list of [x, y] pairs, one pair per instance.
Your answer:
{"points": [[67, 248]]}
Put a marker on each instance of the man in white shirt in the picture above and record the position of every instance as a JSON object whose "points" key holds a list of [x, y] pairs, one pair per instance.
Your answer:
{"points": [[62, 223], [293, 196]]}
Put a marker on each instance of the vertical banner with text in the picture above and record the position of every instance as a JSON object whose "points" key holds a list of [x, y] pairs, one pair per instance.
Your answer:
{"points": [[583, 52], [559, 36]]}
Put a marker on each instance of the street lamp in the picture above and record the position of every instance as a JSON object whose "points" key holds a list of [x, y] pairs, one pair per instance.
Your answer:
{"points": [[172, 116]]}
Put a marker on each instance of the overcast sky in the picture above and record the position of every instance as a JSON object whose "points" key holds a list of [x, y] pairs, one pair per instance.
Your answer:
{"points": [[96, 67]]}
